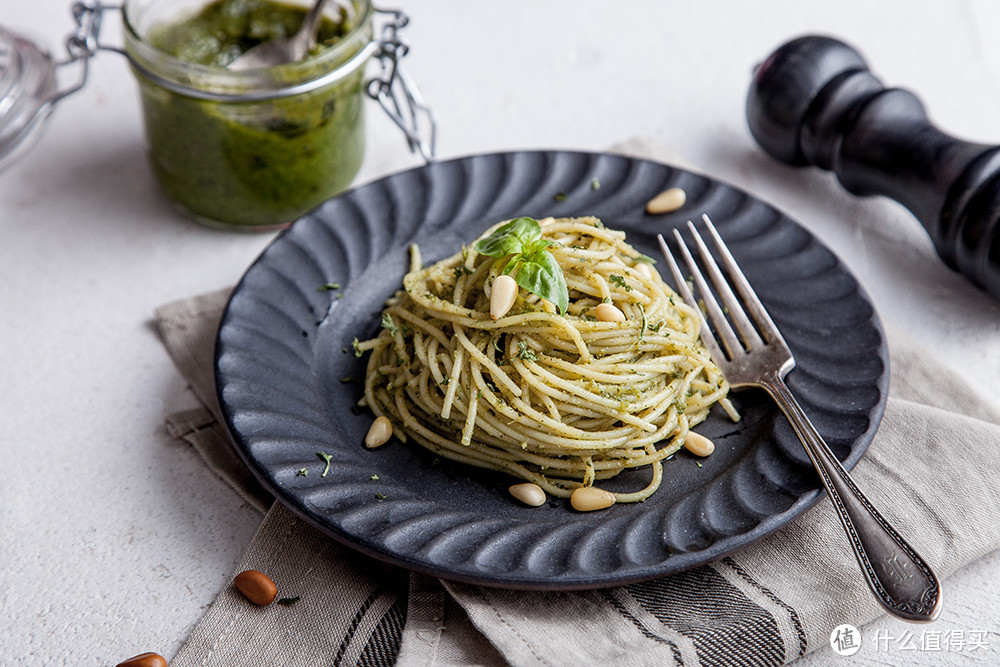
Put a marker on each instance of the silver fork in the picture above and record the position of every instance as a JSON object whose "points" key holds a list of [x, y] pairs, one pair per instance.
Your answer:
{"points": [[900, 579]]}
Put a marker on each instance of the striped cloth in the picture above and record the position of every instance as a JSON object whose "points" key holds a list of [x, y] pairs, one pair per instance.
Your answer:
{"points": [[767, 604]]}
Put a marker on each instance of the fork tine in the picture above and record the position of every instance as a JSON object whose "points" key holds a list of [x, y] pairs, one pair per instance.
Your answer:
{"points": [[707, 337], [751, 339], [765, 324], [724, 332]]}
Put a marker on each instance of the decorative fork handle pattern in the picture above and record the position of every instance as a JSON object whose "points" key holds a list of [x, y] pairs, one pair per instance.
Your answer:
{"points": [[900, 579], [902, 582]]}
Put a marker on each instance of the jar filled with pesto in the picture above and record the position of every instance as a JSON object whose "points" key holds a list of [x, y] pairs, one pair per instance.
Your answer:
{"points": [[257, 148]]}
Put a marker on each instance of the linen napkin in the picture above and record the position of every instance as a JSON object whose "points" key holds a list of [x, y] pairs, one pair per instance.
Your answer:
{"points": [[767, 604]]}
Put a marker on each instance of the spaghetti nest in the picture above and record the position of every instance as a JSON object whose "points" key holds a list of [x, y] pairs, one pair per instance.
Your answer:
{"points": [[561, 400]]}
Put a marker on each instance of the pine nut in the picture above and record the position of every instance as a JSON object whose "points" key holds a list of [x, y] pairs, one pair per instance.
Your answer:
{"points": [[590, 498], [606, 312], [503, 294], [144, 660], [546, 221], [256, 587], [644, 269], [667, 201], [698, 444], [529, 494], [379, 432]]}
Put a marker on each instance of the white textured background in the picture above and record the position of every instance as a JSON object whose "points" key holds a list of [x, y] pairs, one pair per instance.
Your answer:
{"points": [[114, 539]]}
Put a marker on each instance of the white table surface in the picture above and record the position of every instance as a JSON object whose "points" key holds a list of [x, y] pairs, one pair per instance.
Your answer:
{"points": [[114, 538]]}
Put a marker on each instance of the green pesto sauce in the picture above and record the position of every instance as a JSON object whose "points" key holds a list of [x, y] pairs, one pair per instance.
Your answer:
{"points": [[226, 29], [251, 164]]}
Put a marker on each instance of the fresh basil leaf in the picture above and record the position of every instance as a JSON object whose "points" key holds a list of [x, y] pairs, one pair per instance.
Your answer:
{"points": [[510, 238], [532, 265], [536, 246], [513, 264], [541, 274]]}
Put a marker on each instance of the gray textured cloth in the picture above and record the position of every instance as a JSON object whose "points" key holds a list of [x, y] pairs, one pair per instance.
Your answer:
{"points": [[767, 604]]}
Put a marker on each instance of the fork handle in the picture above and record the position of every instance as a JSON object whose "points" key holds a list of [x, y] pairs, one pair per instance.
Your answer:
{"points": [[900, 579]]}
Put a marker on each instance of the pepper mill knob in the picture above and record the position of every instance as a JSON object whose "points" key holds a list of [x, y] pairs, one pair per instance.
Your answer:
{"points": [[815, 102]]}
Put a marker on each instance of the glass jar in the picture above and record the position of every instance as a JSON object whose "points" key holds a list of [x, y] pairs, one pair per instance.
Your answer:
{"points": [[250, 149]]}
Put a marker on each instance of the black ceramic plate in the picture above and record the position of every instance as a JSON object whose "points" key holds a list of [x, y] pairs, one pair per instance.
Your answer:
{"points": [[284, 370]]}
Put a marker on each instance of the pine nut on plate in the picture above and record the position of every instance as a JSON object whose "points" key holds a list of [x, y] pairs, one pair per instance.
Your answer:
{"points": [[379, 432], [502, 296], [606, 312], [529, 494], [698, 444], [590, 498], [667, 201]]}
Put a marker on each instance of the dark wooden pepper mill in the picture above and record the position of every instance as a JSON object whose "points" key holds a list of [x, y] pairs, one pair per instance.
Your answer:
{"points": [[815, 102]]}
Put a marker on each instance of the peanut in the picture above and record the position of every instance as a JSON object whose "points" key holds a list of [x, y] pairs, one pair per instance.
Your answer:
{"points": [[148, 659], [256, 587]]}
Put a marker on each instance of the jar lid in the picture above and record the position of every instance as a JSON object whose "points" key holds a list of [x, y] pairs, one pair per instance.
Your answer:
{"points": [[27, 89]]}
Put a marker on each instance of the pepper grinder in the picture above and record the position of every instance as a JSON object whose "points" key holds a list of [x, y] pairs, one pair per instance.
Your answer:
{"points": [[814, 101]]}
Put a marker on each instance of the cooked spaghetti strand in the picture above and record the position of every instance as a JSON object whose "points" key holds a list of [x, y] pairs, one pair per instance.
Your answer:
{"points": [[559, 400]]}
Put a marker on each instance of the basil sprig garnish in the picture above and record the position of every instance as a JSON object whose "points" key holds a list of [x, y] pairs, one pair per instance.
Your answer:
{"points": [[531, 264]]}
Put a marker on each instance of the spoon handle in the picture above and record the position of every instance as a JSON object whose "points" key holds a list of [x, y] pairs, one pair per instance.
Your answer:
{"points": [[311, 23]]}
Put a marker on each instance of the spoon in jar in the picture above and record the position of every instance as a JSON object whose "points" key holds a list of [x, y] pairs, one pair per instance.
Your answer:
{"points": [[284, 51]]}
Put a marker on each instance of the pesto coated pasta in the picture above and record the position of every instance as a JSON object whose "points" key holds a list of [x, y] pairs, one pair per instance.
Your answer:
{"points": [[563, 400]]}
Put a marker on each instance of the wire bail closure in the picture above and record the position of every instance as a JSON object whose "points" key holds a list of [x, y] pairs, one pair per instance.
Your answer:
{"points": [[392, 88], [84, 42], [397, 92]]}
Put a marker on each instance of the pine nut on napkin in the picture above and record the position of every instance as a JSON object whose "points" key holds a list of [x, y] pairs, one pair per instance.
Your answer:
{"points": [[767, 604]]}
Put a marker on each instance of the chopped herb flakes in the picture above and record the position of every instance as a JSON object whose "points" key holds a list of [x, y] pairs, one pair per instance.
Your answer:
{"points": [[328, 287], [619, 281], [326, 458], [288, 602], [302, 472], [524, 353], [388, 324]]}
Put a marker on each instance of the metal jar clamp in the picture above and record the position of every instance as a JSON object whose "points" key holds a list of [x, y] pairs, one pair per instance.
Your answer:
{"points": [[29, 91]]}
